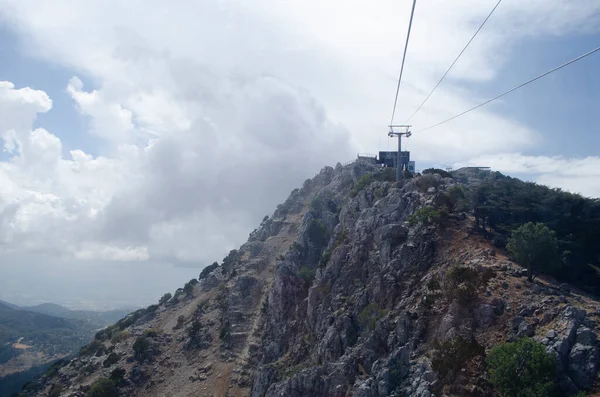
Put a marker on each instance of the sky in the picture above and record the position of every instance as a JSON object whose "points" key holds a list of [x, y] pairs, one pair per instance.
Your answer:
{"points": [[141, 141]]}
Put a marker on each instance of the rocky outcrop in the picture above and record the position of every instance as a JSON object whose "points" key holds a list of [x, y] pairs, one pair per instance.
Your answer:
{"points": [[346, 291], [575, 347]]}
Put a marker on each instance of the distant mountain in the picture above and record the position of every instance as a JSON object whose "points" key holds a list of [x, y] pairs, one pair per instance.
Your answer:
{"points": [[51, 309], [31, 338], [96, 318], [9, 305], [23, 331]]}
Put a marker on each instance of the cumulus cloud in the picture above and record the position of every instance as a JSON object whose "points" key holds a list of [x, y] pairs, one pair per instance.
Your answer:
{"points": [[18, 109], [211, 112], [184, 184]]}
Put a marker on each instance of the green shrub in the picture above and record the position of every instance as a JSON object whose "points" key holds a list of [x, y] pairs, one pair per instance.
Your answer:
{"points": [[130, 319], [433, 284], [424, 182], [454, 199], [165, 298], [229, 261], [387, 174], [534, 246], [462, 282], [103, 388], [461, 274], [426, 215], [325, 257], [522, 369], [117, 375], [194, 330], [360, 184], [151, 333], [101, 351], [53, 370], [369, 316], [442, 173], [180, 321], [188, 288], [89, 369], [106, 333], [317, 232], [91, 349], [141, 348], [451, 356], [119, 336], [433, 292], [225, 331], [152, 308], [307, 274], [316, 204], [112, 358], [207, 270]]}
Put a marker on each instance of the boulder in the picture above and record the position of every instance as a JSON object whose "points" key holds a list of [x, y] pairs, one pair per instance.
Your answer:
{"points": [[583, 364], [394, 232], [525, 329], [516, 322], [585, 336], [484, 315]]}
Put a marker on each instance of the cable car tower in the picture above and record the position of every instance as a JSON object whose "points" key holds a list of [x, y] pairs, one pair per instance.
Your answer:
{"points": [[399, 131]]}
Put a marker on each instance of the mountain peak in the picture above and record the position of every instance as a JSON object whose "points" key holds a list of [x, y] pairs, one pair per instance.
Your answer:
{"points": [[357, 285]]}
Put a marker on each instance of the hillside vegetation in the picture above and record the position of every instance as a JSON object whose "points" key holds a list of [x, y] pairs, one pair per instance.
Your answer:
{"points": [[502, 204]]}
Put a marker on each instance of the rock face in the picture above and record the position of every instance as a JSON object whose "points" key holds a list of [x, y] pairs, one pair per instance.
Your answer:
{"points": [[344, 291], [576, 350]]}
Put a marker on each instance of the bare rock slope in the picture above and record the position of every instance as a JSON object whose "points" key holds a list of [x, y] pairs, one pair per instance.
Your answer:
{"points": [[337, 294]]}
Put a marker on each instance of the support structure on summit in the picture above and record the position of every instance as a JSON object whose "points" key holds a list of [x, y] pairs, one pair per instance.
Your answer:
{"points": [[399, 134]]}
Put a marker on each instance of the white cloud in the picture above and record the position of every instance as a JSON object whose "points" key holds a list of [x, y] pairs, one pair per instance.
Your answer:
{"points": [[185, 191], [109, 120], [18, 110], [213, 111], [93, 251]]}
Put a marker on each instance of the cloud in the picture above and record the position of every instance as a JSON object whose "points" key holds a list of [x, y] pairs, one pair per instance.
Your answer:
{"points": [[173, 190], [18, 110], [211, 112], [109, 120]]}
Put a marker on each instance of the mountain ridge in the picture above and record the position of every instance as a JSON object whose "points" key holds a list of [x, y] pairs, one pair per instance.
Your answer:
{"points": [[356, 286], [103, 317]]}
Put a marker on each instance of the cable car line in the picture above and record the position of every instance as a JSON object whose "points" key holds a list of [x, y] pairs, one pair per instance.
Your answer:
{"points": [[412, 13], [514, 89], [455, 60]]}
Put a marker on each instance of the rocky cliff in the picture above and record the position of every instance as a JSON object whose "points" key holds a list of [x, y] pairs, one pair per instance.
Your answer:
{"points": [[356, 286]]}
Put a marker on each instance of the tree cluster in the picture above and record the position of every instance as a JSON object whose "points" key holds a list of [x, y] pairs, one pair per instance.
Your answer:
{"points": [[503, 205]]}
